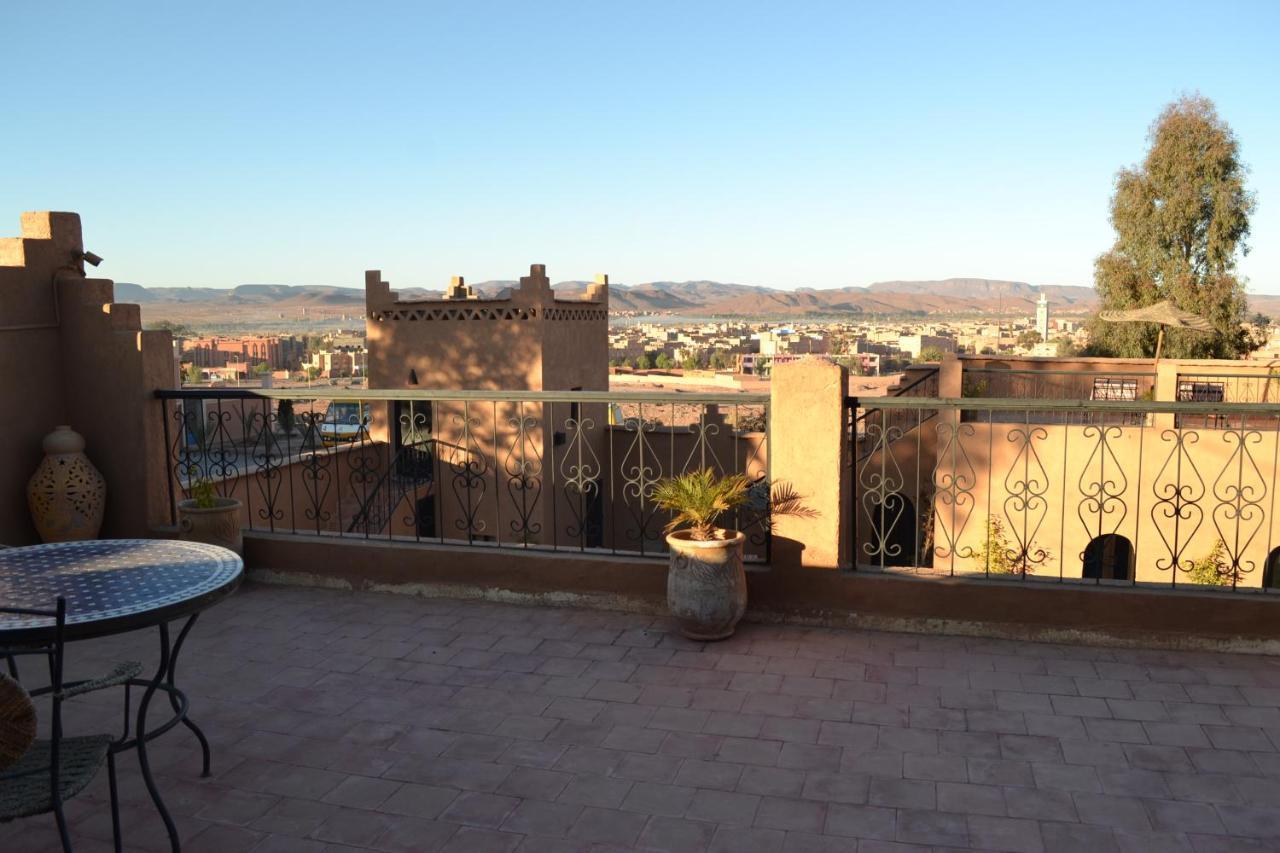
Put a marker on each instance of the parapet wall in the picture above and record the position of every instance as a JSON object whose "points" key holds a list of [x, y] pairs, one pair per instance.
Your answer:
{"points": [[534, 298], [69, 354]]}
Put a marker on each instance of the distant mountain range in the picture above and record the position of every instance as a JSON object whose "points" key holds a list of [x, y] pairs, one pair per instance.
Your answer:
{"points": [[949, 296]]}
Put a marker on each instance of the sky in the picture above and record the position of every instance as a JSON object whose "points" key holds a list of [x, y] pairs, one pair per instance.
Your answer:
{"points": [[783, 144]]}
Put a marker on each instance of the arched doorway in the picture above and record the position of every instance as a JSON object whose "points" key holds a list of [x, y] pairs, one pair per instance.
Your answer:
{"points": [[1271, 574], [1109, 557]]}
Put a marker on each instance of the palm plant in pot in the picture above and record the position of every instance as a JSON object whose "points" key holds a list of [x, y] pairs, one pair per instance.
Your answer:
{"points": [[706, 583], [207, 517]]}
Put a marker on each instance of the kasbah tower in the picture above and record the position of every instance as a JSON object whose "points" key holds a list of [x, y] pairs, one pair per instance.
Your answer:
{"points": [[527, 340]]}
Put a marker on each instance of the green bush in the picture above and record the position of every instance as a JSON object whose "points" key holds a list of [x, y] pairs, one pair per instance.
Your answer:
{"points": [[1213, 569]]}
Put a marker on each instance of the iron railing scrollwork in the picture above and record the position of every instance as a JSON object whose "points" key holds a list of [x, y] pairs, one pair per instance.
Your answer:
{"points": [[529, 470], [581, 472], [470, 468], [522, 467], [954, 481], [1026, 485], [1081, 491], [1239, 491], [1103, 484], [1179, 491], [641, 469]]}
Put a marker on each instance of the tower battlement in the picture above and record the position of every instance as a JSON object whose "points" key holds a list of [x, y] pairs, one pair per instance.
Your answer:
{"points": [[533, 299], [525, 340]]}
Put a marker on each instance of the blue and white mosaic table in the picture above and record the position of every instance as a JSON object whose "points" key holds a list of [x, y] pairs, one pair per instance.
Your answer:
{"points": [[117, 585], [112, 585]]}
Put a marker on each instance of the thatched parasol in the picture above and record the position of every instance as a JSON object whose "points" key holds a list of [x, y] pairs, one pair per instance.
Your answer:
{"points": [[1164, 314]]}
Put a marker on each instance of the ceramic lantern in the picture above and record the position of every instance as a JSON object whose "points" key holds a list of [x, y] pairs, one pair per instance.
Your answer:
{"points": [[66, 494]]}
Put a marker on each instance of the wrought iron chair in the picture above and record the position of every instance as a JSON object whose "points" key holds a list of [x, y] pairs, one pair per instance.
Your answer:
{"points": [[39, 776], [8, 658]]}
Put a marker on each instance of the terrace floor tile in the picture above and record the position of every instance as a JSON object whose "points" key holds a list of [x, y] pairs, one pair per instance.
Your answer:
{"points": [[358, 721]]}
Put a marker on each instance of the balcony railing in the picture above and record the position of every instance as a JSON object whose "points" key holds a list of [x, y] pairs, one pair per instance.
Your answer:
{"points": [[1014, 384], [1225, 387], [529, 470], [1034, 384], [1130, 493], [924, 385]]}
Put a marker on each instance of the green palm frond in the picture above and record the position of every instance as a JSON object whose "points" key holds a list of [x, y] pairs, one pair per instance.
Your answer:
{"points": [[698, 499]]}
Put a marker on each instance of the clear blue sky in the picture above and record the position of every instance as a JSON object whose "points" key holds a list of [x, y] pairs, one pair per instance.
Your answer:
{"points": [[787, 144]]}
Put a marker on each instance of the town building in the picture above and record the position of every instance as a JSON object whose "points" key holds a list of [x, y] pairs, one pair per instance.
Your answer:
{"points": [[529, 340], [337, 362], [280, 352], [788, 341], [914, 345]]}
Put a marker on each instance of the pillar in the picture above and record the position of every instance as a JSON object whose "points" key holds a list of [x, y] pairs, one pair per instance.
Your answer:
{"points": [[809, 451], [1166, 392], [950, 377]]}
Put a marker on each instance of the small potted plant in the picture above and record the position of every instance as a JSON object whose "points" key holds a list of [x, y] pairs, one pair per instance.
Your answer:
{"points": [[210, 518], [706, 583]]}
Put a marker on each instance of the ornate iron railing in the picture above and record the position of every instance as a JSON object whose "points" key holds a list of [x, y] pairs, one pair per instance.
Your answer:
{"points": [[411, 469], [1207, 386], [1210, 387], [1029, 384], [570, 470], [925, 385], [1106, 492], [1016, 384]]}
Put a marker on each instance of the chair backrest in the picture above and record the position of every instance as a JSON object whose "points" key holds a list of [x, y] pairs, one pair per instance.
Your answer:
{"points": [[54, 651], [17, 721]]}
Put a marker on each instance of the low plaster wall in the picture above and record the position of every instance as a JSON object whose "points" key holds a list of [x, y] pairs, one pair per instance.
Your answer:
{"points": [[1028, 611], [69, 354]]}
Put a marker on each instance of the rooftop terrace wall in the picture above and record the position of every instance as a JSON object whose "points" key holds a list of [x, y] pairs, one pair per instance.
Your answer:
{"points": [[69, 354]]}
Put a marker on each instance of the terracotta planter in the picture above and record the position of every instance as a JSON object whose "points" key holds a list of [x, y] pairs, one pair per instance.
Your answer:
{"points": [[706, 585], [215, 525], [66, 495]]}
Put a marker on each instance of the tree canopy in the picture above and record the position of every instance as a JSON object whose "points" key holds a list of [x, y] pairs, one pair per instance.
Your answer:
{"points": [[930, 355], [178, 330], [1181, 219]]}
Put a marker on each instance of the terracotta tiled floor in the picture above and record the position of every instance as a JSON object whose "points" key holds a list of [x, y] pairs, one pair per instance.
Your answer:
{"points": [[345, 722]]}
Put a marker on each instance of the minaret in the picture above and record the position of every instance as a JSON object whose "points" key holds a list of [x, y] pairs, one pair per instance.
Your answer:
{"points": [[1042, 317]]}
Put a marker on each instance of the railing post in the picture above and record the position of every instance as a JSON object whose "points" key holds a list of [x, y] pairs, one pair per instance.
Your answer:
{"points": [[950, 376], [849, 498], [168, 468], [950, 386], [1166, 392], [809, 451]]}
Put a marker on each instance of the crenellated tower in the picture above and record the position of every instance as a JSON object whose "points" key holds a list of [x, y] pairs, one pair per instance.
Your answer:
{"points": [[526, 340]]}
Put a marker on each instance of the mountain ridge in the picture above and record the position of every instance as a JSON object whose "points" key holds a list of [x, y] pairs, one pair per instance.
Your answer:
{"points": [[943, 296]]}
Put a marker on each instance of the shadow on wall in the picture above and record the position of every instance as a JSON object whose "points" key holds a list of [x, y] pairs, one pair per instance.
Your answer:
{"points": [[787, 554]]}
